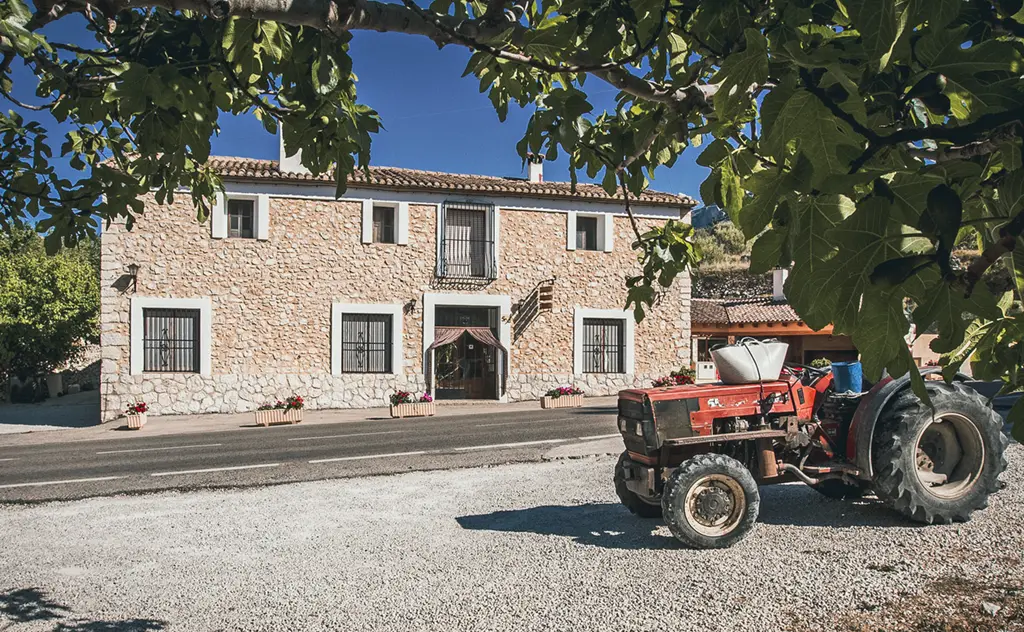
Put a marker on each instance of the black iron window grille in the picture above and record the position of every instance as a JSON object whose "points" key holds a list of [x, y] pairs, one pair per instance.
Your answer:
{"points": [[586, 233], [170, 340], [384, 224], [241, 218], [366, 343], [604, 348], [467, 248]]}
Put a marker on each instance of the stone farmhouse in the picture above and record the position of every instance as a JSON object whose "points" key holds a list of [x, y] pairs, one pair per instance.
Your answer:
{"points": [[463, 286]]}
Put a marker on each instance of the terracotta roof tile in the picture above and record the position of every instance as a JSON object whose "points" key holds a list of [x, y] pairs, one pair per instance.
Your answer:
{"points": [[733, 312], [415, 179]]}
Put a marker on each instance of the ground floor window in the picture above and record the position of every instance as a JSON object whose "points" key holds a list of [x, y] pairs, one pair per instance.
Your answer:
{"points": [[366, 343], [170, 340], [705, 345], [604, 345], [366, 338]]}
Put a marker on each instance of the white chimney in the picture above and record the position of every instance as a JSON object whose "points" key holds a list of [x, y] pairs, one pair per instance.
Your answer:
{"points": [[289, 164], [535, 167], [779, 277]]}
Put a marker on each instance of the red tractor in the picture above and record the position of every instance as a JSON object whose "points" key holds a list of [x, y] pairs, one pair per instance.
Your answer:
{"points": [[696, 454]]}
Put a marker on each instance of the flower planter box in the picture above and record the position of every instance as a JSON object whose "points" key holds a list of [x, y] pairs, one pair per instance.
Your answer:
{"points": [[416, 409], [136, 422], [278, 416], [565, 401]]}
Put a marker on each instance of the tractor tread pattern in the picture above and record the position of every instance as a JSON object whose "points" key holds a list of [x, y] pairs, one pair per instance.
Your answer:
{"points": [[892, 481], [709, 463]]}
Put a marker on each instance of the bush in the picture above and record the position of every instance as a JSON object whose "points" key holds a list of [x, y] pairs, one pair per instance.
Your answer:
{"points": [[821, 363], [711, 251], [731, 238]]}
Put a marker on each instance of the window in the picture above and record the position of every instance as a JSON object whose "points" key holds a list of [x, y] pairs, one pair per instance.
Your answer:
{"points": [[366, 343], [467, 244], [241, 218], [383, 224], [170, 340], [603, 345], [586, 233]]}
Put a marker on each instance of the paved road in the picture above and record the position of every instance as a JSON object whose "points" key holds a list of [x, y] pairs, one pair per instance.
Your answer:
{"points": [[260, 456]]}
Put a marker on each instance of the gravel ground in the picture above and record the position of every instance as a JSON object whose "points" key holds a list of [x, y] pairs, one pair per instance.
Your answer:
{"points": [[541, 546]]}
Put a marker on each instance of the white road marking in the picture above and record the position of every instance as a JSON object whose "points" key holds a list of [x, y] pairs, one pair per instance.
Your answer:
{"points": [[216, 469], [10, 459], [355, 434], [64, 482], [176, 447], [519, 423], [594, 437], [368, 456], [510, 445]]}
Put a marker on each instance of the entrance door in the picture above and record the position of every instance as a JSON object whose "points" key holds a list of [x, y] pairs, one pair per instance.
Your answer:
{"points": [[466, 368]]}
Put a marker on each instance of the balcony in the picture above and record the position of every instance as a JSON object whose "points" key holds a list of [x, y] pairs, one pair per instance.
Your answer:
{"points": [[466, 245]]}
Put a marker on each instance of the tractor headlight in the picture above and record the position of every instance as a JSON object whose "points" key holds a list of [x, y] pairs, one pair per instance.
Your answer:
{"points": [[622, 424], [639, 429]]}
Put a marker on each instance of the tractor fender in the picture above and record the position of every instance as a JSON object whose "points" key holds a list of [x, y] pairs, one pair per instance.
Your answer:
{"points": [[862, 428]]}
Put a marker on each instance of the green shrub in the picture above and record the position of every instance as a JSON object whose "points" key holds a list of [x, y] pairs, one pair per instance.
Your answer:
{"points": [[821, 363]]}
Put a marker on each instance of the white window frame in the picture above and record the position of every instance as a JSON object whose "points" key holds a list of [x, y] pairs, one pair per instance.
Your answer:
{"points": [[401, 220], [579, 314], [140, 303], [395, 310], [261, 212], [605, 230], [431, 301]]}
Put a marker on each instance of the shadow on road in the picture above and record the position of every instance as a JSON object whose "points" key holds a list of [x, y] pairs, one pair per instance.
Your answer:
{"points": [[28, 605], [605, 525]]}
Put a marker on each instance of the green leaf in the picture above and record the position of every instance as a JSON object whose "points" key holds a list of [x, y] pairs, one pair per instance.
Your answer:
{"points": [[880, 23], [880, 332], [1016, 417], [817, 132], [768, 187], [739, 72], [766, 252]]}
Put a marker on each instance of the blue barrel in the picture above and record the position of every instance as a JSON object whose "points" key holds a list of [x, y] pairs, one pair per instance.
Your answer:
{"points": [[847, 377]]}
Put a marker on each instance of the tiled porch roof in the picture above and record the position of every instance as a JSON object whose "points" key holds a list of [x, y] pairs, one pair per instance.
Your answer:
{"points": [[415, 179], [735, 312]]}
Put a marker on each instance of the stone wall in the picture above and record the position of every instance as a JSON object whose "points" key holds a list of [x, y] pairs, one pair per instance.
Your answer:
{"points": [[271, 304]]}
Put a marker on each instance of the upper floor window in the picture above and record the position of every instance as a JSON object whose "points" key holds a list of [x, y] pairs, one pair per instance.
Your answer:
{"points": [[466, 244], [170, 340], [384, 224], [241, 218], [589, 231], [586, 233]]}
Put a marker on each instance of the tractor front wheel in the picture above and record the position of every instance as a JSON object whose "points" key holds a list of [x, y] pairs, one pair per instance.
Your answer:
{"points": [[634, 502], [941, 464], [710, 501]]}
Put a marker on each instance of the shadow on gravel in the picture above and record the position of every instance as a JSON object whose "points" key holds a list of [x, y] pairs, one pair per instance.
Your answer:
{"points": [[605, 525], [28, 605], [801, 506]]}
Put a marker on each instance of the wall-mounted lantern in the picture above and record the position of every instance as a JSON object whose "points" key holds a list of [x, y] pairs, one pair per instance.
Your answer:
{"points": [[133, 272]]}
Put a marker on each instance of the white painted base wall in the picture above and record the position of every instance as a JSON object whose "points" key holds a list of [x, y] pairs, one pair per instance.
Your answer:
{"points": [[194, 394]]}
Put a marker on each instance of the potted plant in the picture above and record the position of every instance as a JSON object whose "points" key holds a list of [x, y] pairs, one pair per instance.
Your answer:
{"points": [[676, 378], [563, 397], [404, 404], [136, 415], [287, 411]]}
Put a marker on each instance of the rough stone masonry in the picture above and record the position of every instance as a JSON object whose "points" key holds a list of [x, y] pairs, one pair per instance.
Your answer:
{"points": [[271, 299]]}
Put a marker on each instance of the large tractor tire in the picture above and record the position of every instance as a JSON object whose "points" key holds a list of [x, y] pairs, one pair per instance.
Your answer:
{"points": [[710, 502], [635, 503], [938, 466]]}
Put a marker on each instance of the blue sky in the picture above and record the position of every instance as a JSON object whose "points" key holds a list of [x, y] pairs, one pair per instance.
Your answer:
{"points": [[433, 118]]}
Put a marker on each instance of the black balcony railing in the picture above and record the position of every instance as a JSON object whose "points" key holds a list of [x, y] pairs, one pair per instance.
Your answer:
{"points": [[466, 249]]}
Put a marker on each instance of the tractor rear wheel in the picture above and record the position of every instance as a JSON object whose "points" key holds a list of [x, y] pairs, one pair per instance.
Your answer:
{"points": [[633, 501], [937, 466], [710, 501]]}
